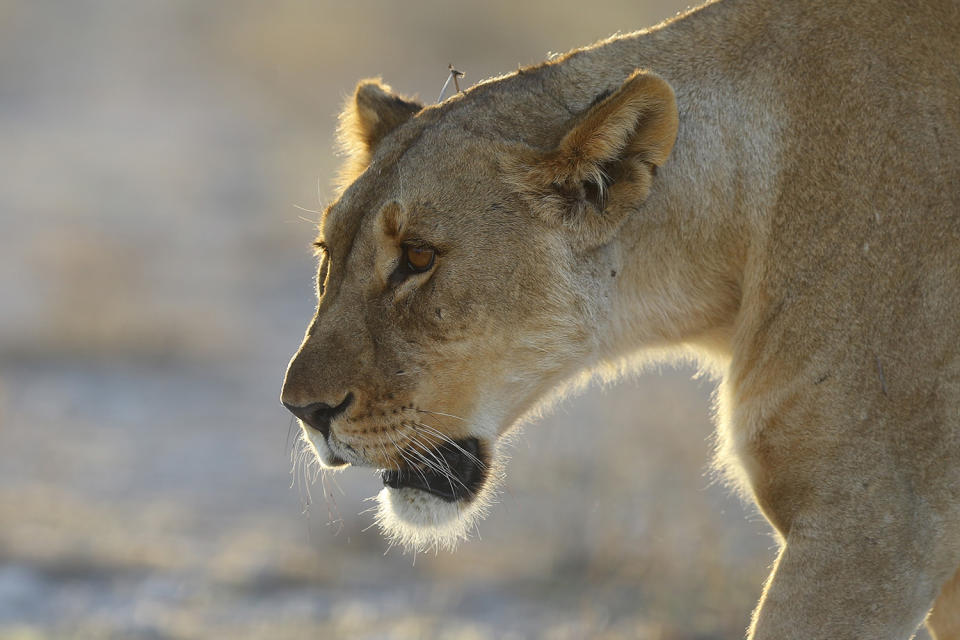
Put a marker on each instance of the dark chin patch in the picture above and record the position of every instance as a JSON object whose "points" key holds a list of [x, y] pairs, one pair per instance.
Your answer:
{"points": [[466, 461]]}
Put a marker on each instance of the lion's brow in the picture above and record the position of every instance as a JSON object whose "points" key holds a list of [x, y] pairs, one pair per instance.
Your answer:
{"points": [[339, 224]]}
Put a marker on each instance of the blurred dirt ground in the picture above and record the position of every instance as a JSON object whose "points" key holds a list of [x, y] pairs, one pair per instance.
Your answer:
{"points": [[155, 277]]}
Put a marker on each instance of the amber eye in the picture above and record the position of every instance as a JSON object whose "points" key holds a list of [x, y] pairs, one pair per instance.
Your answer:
{"points": [[419, 259]]}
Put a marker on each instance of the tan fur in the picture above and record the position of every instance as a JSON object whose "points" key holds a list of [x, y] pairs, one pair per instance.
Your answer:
{"points": [[773, 186], [944, 620]]}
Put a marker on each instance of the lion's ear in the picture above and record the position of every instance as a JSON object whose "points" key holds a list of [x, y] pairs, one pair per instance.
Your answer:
{"points": [[370, 114], [602, 167]]}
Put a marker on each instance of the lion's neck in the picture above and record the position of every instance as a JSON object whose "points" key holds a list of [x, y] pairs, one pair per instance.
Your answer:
{"points": [[674, 275]]}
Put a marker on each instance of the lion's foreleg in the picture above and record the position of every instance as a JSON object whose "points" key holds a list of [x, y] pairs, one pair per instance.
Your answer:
{"points": [[944, 620], [821, 589], [864, 552]]}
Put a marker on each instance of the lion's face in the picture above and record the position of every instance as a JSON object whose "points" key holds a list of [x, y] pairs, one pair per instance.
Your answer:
{"points": [[441, 319], [447, 306]]}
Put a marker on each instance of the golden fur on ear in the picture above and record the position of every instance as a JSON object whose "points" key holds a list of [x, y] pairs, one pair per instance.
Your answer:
{"points": [[608, 151], [369, 115], [639, 119]]}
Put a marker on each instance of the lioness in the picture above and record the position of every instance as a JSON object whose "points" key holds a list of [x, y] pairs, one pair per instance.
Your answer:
{"points": [[771, 185]]}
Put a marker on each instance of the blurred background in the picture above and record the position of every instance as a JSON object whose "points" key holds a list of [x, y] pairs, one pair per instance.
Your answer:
{"points": [[156, 159]]}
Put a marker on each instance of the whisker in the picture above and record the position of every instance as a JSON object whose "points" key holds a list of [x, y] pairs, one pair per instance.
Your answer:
{"points": [[286, 444], [420, 461], [446, 438], [442, 466], [294, 459], [409, 462], [434, 465], [333, 479], [305, 471], [319, 213], [386, 456], [333, 511], [439, 465], [440, 413], [444, 473], [301, 458]]}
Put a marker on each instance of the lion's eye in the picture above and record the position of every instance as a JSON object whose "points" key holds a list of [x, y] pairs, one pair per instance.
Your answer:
{"points": [[419, 259]]}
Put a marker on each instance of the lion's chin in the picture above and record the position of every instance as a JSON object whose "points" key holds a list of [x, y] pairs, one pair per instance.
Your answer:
{"points": [[417, 520]]}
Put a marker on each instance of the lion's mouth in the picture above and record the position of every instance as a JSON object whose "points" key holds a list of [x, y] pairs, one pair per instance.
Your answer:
{"points": [[454, 471]]}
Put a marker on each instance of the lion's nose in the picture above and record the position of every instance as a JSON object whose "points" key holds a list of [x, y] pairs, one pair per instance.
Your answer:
{"points": [[319, 414]]}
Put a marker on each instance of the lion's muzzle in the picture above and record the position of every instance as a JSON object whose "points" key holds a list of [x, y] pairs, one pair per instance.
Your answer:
{"points": [[318, 416]]}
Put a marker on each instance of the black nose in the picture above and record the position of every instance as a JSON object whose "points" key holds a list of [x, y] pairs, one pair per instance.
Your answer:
{"points": [[319, 414]]}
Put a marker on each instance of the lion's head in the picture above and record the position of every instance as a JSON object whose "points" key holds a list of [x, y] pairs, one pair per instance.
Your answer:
{"points": [[463, 276]]}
